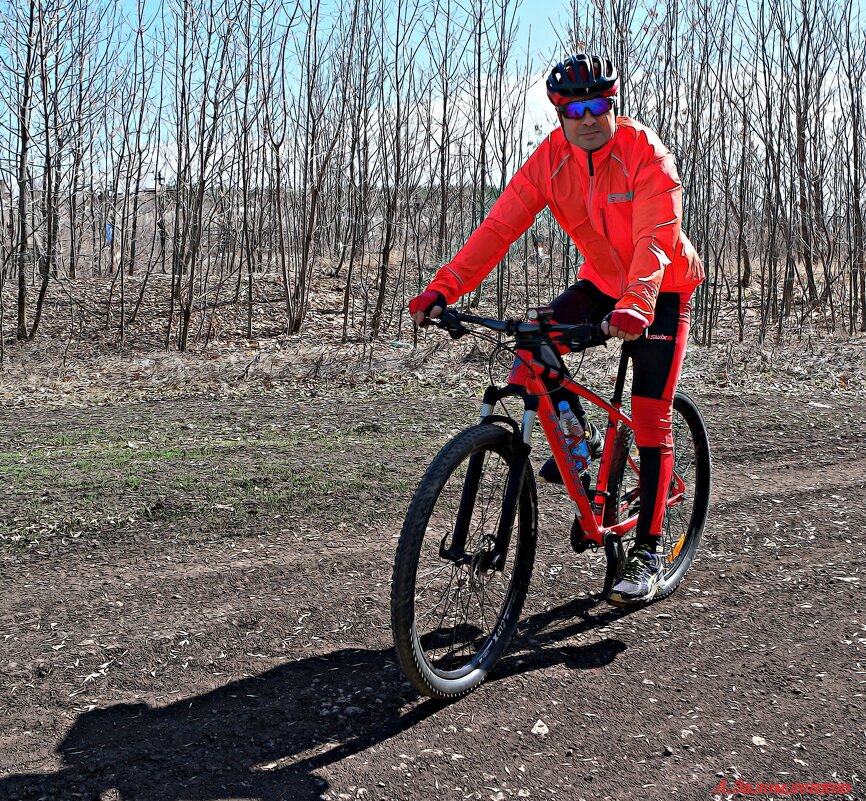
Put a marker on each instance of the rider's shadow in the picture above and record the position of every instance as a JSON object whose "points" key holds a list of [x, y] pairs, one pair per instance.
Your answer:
{"points": [[265, 737]]}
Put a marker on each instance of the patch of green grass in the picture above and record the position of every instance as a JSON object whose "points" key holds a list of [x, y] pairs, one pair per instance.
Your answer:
{"points": [[214, 477], [16, 471]]}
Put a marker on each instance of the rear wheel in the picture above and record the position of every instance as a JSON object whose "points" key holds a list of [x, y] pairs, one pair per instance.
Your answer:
{"points": [[452, 613], [688, 497]]}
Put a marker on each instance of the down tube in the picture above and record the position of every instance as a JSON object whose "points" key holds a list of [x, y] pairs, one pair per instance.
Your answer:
{"points": [[568, 467]]}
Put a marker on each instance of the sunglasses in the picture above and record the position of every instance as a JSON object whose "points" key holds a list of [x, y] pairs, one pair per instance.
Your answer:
{"points": [[577, 108]]}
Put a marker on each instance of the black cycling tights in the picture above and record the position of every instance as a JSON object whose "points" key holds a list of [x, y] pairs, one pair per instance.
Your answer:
{"points": [[657, 359]]}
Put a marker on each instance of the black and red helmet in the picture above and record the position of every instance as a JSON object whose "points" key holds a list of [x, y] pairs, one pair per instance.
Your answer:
{"points": [[582, 75]]}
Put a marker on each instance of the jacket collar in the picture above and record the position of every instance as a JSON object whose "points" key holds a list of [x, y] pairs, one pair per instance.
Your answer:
{"points": [[592, 159]]}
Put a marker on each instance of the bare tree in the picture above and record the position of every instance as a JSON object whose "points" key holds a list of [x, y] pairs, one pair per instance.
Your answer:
{"points": [[20, 32], [213, 140]]}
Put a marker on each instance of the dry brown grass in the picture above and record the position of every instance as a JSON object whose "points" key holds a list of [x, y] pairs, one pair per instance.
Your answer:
{"points": [[78, 358]]}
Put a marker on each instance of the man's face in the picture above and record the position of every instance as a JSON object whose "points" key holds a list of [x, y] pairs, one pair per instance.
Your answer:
{"points": [[590, 131]]}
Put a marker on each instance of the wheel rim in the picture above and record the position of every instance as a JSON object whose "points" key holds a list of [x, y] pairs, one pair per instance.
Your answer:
{"points": [[457, 606]]}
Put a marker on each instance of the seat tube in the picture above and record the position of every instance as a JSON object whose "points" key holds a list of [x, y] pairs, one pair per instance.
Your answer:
{"points": [[616, 400]]}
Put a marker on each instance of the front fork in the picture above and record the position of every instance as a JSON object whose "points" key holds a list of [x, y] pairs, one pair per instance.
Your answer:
{"points": [[492, 558]]}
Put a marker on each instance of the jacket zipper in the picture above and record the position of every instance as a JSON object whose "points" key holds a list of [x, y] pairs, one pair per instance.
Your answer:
{"points": [[623, 280]]}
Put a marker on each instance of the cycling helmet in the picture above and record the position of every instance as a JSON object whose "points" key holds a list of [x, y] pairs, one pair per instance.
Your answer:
{"points": [[582, 75]]}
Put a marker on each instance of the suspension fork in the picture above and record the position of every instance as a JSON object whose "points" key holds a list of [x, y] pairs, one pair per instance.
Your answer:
{"points": [[494, 558]]}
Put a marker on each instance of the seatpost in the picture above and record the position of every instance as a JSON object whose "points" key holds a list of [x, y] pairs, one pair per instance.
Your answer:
{"points": [[618, 388]]}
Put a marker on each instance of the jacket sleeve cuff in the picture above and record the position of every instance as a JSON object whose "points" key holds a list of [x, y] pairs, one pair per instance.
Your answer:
{"points": [[449, 284], [640, 298]]}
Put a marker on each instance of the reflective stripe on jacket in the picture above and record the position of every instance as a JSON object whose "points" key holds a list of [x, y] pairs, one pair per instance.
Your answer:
{"points": [[621, 205]]}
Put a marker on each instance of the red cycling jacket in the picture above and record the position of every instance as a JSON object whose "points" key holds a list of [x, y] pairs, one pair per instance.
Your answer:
{"points": [[621, 205]]}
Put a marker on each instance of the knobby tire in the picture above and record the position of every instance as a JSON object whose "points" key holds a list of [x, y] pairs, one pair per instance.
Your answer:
{"points": [[451, 621]]}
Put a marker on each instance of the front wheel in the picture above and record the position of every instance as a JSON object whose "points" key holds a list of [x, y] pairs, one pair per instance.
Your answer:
{"points": [[688, 496], [459, 585]]}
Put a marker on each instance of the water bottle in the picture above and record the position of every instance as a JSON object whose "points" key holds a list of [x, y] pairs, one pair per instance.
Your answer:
{"points": [[575, 436]]}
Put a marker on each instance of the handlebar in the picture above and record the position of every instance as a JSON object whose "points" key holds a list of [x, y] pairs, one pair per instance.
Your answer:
{"points": [[578, 337]]}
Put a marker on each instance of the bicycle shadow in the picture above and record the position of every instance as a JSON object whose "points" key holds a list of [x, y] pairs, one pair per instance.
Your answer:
{"points": [[264, 737], [538, 641]]}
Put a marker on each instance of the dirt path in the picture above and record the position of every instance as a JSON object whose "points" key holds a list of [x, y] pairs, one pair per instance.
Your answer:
{"points": [[195, 606]]}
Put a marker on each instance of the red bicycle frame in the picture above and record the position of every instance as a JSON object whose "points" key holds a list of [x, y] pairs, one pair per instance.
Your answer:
{"points": [[527, 373], [535, 370], [590, 513]]}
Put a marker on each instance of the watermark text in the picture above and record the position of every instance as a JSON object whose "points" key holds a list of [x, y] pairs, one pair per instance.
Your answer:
{"points": [[741, 787]]}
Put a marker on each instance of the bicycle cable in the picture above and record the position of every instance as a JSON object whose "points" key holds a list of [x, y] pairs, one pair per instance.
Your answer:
{"points": [[498, 347], [503, 347]]}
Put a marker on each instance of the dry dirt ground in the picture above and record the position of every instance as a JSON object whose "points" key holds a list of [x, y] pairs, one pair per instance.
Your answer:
{"points": [[195, 606]]}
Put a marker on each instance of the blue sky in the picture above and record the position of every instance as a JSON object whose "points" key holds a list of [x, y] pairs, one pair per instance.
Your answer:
{"points": [[546, 30], [544, 27]]}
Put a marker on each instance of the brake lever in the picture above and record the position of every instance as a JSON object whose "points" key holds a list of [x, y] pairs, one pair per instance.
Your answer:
{"points": [[455, 328]]}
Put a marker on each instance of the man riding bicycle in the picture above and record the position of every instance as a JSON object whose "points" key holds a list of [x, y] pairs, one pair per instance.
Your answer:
{"points": [[613, 187]]}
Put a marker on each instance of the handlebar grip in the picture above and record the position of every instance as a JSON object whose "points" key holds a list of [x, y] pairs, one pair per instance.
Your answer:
{"points": [[586, 335]]}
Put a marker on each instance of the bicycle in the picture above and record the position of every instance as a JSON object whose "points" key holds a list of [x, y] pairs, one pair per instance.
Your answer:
{"points": [[466, 551]]}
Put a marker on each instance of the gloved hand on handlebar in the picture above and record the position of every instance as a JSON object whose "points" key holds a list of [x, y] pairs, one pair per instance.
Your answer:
{"points": [[626, 324], [429, 304]]}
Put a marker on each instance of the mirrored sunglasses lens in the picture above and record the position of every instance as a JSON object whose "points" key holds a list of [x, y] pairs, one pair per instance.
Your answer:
{"points": [[573, 110], [576, 108], [598, 106]]}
